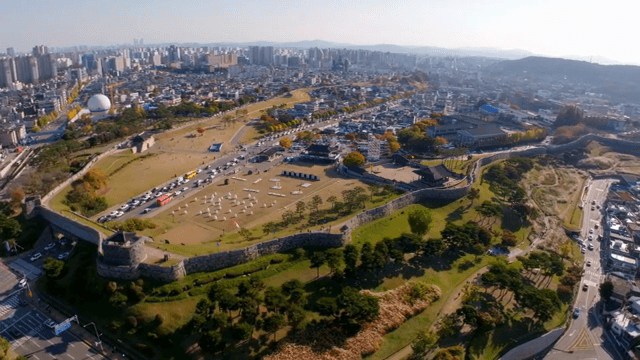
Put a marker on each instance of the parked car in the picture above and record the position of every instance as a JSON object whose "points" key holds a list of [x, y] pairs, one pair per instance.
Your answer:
{"points": [[63, 256], [585, 287], [50, 246], [35, 256]]}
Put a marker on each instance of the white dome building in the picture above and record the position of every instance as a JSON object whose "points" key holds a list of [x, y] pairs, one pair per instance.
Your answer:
{"points": [[99, 103]]}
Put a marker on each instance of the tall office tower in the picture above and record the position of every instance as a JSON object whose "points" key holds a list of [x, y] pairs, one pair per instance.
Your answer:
{"points": [[141, 42], [135, 42], [40, 50], [11, 52], [266, 55], [254, 55]]}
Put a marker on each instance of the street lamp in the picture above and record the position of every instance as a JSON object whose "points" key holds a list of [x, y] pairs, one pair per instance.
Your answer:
{"points": [[99, 342]]}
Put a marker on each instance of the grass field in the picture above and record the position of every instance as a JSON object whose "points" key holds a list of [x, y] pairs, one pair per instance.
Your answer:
{"points": [[174, 153], [251, 133]]}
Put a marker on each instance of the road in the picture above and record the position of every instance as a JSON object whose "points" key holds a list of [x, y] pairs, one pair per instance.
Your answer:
{"points": [[585, 338], [23, 326]]}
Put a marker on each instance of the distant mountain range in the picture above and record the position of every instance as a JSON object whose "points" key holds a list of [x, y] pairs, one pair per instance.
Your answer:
{"points": [[621, 82], [419, 50]]}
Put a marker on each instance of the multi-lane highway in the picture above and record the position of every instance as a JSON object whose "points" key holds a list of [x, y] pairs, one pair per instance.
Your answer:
{"points": [[585, 338]]}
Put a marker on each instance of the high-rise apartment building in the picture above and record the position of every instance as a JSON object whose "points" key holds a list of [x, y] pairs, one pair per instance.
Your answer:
{"points": [[254, 55], [266, 55], [40, 50], [11, 52]]}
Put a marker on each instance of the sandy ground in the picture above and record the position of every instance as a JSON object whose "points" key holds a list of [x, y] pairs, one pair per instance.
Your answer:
{"points": [[190, 222]]}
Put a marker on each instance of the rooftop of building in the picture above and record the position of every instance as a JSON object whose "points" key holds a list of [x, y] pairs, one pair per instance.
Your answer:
{"points": [[487, 130]]}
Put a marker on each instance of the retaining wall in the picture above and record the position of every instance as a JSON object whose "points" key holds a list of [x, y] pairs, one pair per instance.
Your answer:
{"points": [[70, 226]]}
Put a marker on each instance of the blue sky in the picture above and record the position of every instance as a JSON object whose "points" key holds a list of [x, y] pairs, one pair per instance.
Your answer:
{"points": [[552, 27]]}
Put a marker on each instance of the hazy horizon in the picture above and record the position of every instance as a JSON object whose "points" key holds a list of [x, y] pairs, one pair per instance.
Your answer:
{"points": [[565, 28]]}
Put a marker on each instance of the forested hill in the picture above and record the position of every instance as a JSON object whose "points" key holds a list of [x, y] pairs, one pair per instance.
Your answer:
{"points": [[621, 82]]}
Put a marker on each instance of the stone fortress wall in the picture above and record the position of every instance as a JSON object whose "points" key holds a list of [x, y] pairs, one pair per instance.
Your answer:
{"points": [[221, 260]]}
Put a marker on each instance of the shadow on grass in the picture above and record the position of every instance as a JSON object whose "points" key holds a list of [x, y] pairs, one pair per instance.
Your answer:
{"points": [[504, 337], [456, 214]]}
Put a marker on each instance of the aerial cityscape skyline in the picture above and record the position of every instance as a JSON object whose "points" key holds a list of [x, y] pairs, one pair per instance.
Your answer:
{"points": [[250, 180], [569, 29]]}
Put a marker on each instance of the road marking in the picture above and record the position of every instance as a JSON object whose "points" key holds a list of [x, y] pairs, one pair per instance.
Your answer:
{"points": [[9, 326], [69, 355]]}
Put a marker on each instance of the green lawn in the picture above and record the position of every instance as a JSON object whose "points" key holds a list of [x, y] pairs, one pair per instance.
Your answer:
{"points": [[575, 218], [175, 313]]}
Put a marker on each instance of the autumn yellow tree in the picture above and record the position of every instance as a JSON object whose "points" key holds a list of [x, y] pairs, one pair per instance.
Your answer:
{"points": [[286, 143], [354, 158], [16, 195], [439, 140], [95, 178]]}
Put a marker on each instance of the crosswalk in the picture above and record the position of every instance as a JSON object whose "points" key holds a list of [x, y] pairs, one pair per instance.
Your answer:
{"points": [[8, 307]]}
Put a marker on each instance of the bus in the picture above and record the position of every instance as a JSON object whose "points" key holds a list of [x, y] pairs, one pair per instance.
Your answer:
{"points": [[190, 174], [163, 199]]}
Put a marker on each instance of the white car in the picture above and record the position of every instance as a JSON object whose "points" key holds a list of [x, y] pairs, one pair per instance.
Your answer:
{"points": [[50, 323], [63, 256], [590, 231], [49, 246], [177, 193], [35, 256], [198, 171]]}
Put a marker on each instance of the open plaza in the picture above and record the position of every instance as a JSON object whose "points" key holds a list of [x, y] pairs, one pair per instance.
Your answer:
{"points": [[251, 198]]}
